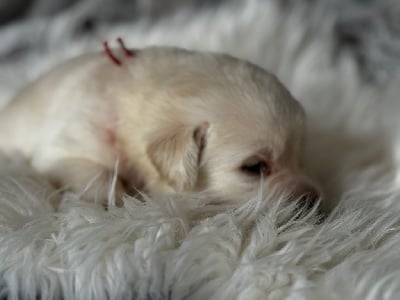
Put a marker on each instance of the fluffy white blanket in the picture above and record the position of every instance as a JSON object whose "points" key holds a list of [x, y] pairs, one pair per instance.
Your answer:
{"points": [[177, 248]]}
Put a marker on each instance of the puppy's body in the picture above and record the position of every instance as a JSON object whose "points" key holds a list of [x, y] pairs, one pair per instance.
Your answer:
{"points": [[175, 120]]}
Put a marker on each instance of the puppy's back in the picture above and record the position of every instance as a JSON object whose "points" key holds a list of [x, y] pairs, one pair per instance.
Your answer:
{"points": [[51, 97]]}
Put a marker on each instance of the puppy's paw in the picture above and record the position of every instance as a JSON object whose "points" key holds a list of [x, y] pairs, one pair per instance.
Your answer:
{"points": [[106, 189], [90, 181]]}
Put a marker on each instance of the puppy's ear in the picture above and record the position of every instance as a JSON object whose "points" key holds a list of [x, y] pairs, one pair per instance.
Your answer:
{"points": [[176, 153]]}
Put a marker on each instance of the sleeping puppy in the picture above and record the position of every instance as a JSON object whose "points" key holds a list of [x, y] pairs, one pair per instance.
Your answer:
{"points": [[174, 120]]}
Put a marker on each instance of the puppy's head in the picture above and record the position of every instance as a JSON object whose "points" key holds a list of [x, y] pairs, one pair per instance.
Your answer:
{"points": [[229, 127]]}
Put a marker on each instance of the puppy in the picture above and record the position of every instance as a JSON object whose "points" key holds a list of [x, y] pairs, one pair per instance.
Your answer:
{"points": [[175, 120]]}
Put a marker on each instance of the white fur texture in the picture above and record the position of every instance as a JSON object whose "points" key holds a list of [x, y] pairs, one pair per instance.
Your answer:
{"points": [[177, 248]]}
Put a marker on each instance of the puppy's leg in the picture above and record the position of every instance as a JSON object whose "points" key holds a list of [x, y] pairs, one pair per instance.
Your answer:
{"points": [[90, 179]]}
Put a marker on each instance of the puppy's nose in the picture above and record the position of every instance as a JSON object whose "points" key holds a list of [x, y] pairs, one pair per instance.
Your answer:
{"points": [[307, 196]]}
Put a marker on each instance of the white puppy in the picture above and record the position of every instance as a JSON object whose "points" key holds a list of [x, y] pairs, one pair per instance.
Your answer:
{"points": [[175, 120]]}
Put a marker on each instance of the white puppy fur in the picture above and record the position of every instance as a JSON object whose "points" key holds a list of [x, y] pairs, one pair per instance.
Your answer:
{"points": [[175, 120]]}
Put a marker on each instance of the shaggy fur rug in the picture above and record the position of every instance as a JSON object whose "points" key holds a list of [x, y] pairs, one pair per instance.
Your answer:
{"points": [[180, 248]]}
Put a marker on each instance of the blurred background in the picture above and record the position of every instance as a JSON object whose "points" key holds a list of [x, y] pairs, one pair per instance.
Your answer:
{"points": [[368, 29]]}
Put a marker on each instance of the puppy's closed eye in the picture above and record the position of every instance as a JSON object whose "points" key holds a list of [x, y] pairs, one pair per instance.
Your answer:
{"points": [[256, 166]]}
